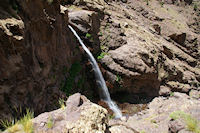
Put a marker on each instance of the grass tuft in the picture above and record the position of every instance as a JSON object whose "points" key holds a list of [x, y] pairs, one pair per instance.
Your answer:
{"points": [[191, 123], [50, 122], [195, 7], [7, 123], [88, 35], [101, 55], [62, 103], [118, 78], [26, 121], [23, 125]]}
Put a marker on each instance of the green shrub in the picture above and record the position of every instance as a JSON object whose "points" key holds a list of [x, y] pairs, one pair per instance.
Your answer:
{"points": [[101, 55], [195, 7], [68, 85], [50, 122], [118, 78], [191, 123], [111, 116], [171, 94], [161, 3], [88, 35]]}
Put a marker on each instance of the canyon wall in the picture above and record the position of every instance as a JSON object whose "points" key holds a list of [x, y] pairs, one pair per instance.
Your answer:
{"points": [[35, 54]]}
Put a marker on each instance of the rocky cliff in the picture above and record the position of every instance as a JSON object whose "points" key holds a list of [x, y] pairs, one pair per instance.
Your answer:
{"points": [[152, 46], [144, 48], [35, 52]]}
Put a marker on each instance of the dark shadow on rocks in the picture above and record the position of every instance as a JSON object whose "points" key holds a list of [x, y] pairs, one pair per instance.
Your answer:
{"points": [[9, 9], [124, 96]]}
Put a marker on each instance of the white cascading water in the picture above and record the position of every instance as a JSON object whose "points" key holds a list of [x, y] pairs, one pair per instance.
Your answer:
{"points": [[99, 78]]}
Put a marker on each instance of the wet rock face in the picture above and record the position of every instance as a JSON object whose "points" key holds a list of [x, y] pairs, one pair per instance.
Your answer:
{"points": [[33, 54], [87, 24]]}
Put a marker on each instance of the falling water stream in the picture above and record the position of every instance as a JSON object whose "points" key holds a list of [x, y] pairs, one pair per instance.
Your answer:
{"points": [[104, 94]]}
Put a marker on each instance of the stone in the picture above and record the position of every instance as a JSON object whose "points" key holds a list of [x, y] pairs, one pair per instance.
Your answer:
{"points": [[124, 1], [133, 61], [195, 94], [180, 38], [83, 20], [188, 1], [164, 91], [80, 115], [176, 125], [92, 119], [123, 118], [98, 5], [156, 118], [86, 22], [179, 86], [121, 129], [157, 28]]}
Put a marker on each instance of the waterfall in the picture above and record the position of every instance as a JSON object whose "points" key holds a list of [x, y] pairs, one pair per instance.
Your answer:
{"points": [[99, 78]]}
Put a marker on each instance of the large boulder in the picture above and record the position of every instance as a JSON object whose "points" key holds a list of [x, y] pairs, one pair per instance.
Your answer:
{"points": [[80, 115], [85, 21], [87, 24]]}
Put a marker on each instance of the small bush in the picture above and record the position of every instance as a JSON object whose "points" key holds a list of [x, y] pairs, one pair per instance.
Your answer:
{"points": [[171, 94], [162, 3], [67, 86], [191, 123], [119, 78], [50, 122], [101, 55], [195, 7], [111, 116], [88, 35]]}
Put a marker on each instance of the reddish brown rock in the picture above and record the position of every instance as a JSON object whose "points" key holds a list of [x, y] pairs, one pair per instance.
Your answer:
{"points": [[160, 49], [33, 58], [179, 38]]}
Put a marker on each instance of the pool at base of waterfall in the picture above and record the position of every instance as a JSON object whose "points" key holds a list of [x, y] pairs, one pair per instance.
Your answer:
{"points": [[128, 103]]}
